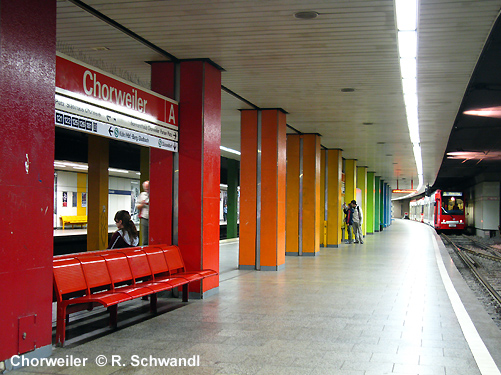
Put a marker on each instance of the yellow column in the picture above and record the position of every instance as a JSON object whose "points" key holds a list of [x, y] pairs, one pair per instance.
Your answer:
{"points": [[362, 185], [311, 194], [97, 201], [323, 219], [81, 189], [334, 171], [350, 172], [292, 193]]}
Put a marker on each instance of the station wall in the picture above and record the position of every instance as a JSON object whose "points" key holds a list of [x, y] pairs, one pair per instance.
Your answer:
{"points": [[70, 198]]}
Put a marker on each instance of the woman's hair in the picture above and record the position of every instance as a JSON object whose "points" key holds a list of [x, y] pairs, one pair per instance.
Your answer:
{"points": [[127, 222]]}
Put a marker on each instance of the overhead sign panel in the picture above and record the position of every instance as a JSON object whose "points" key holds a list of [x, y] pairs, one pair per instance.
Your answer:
{"points": [[86, 125], [89, 95]]}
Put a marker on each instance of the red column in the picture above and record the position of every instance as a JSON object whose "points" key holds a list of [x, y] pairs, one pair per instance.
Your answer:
{"points": [[199, 161], [161, 168], [199, 167], [28, 61]]}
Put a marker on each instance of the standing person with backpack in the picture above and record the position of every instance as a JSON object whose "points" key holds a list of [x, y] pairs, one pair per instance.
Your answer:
{"points": [[348, 219], [358, 219]]}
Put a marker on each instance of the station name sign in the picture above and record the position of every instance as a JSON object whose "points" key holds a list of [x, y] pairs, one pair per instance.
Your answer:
{"points": [[88, 92]]}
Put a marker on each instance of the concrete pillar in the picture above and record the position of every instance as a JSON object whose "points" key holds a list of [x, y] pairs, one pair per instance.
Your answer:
{"points": [[362, 185], [371, 206], [27, 69], [98, 161], [303, 194], [293, 193], [377, 203], [157, 166], [333, 215], [195, 223], [231, 222], [350, 172], [262, 189]]}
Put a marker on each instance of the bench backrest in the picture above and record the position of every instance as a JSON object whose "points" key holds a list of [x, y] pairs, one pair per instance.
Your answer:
{"points": [[174, 259], [156, 259], [119, 268], [138, 262], [68, 277], [95, 271]]}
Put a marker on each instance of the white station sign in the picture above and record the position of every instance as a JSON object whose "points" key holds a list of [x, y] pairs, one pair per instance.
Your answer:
{"points": [[92, 101]]}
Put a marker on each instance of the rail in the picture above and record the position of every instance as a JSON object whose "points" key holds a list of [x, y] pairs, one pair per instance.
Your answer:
{"points": [[470, 264]]}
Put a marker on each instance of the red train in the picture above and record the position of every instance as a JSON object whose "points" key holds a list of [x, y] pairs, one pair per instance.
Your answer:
{"points": [[443, 210]]}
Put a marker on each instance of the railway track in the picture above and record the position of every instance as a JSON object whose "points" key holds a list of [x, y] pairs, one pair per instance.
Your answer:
{"points": [[483, 261]]}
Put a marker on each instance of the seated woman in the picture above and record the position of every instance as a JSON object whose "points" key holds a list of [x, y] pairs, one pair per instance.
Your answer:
{"points": [[126, 235]]}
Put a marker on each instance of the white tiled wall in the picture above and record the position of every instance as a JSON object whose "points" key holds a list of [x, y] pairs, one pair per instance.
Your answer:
{"points": [[67, 182]]}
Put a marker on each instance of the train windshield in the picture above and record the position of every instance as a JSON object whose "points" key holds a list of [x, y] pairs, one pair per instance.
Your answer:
{"points": [[452, 205]]}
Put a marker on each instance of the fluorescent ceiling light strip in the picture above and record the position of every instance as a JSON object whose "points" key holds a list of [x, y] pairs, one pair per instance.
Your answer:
{"points": [[407, 19], [229, 150], [407, 44], [409, 85], [408, 67], [406, 14], [117, 170]]}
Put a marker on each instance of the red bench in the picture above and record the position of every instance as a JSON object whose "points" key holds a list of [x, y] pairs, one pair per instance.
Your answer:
{"points": [[85, 280]]}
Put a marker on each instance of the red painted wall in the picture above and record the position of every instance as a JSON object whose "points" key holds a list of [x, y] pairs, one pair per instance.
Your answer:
{"points": [[28, 57]]}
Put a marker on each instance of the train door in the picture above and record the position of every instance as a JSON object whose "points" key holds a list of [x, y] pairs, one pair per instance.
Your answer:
{"points": [[437, 210]]}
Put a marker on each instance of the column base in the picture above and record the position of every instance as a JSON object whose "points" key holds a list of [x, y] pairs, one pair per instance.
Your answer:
{"points": [[245, 267], [273, 268], [15, 362]]}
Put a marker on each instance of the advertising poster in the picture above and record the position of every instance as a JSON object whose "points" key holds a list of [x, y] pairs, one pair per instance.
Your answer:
{"points": [[84, 199], [74, 199], [65, 199]]}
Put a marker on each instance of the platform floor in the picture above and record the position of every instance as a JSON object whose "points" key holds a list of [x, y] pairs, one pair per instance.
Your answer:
{"points": [[371, 309]]}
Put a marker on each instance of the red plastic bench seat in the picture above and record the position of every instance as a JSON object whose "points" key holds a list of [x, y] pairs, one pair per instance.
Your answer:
{"points": [[108, 277]]}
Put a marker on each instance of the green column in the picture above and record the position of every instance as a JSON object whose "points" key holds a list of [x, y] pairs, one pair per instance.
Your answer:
{"points": [[231, 228], [370, 212], [377, 203]]}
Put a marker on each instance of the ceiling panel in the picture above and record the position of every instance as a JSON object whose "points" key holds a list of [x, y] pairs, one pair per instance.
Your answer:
{"points": [[273, 59]]}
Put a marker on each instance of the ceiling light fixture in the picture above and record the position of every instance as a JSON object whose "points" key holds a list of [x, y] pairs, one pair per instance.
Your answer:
{"points": [[494, 112], [407, 21], [222, 148], [117, 170], [306, 15]]}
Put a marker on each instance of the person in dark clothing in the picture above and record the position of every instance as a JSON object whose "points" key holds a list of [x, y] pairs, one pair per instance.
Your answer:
{"points": [[348, 219], [126, 234]]}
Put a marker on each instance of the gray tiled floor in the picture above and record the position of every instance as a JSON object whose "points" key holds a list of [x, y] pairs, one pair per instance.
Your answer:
{"points": [[377, 308]]}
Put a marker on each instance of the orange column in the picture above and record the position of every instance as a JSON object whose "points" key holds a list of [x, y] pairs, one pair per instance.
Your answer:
{"points": [[311, 194], [292, 193], [262, 189], [334, 196]]}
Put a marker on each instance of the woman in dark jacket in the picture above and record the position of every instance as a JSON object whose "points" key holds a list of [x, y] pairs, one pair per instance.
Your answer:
{"points": [[126, 234]]}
